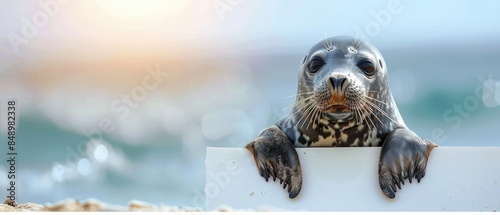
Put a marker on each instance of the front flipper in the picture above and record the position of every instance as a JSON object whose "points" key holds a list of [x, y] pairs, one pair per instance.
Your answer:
{"points": [[276, 157], [403, 156]]}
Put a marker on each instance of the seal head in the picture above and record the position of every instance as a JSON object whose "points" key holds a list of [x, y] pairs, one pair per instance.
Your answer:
{"points": [[338, 74], [343, 96]]}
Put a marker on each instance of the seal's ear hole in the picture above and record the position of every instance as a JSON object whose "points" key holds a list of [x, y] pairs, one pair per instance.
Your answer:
{"points": [[381, 65], [315, 64]]}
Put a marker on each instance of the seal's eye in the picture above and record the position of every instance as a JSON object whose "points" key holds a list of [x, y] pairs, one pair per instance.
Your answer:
{"points": [[315, 64], [367, 67]]}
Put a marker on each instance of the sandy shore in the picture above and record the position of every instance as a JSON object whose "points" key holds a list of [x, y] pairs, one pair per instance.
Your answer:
{"points": [[94, 205]]}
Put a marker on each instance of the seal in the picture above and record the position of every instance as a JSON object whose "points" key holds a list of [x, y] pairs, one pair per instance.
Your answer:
{"points": [[343, 100]]}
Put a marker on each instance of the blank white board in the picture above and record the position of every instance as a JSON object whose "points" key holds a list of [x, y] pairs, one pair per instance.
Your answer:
{"points": [[345, 179]]}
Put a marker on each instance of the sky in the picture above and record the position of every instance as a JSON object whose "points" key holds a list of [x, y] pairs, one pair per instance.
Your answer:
{"points": [[105, 27]]}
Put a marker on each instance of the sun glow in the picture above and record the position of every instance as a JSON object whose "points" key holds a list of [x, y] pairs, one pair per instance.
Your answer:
{"points": [[148, 10]]}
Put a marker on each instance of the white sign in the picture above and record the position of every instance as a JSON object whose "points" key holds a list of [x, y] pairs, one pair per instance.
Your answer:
{"points": [[345, 179]]}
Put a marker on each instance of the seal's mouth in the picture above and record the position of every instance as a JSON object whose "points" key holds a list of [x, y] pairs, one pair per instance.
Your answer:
{"points": [[337, 103], [338, 108]]}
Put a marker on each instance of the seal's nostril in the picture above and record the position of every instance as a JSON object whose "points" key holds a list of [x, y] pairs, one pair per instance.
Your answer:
{"points": [[338, 82], [342, 82]]}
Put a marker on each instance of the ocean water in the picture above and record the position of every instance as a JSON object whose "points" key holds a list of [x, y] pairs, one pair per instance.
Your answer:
{"points": [[74, 143]]}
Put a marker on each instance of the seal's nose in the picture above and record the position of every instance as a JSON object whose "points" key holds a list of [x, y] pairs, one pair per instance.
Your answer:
{"points": [[339, 82]]}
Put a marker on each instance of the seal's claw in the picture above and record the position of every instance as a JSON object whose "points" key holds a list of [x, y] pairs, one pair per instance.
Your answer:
{"points": [[273, 174], [398, 183], [264, 173], [420, 176], [403, 152], [294, 192], [276, 157], [388, 190], [401, 179]]}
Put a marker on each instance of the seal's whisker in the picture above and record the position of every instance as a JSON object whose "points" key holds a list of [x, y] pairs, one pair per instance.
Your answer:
{"points": [[301, 98], [321, 114], [375, 115], [284, 117], [328, 43], [316, 118], [380, 102], [324, 41], [358, 110], [305, 114], [312, 122], [353, 42], [360, 117], [294, 114], [369, 111], [358, 41], [378, 108], [306, 96], [311, 118], [299, 94], [357, 115], [290, 107], [364, 113], [286, 109], [300, 109], [360, 113], [298, 102], [310, 115]]}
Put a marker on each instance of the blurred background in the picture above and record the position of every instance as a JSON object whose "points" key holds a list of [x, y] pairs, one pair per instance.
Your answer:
{"points": [[118, 99]]}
